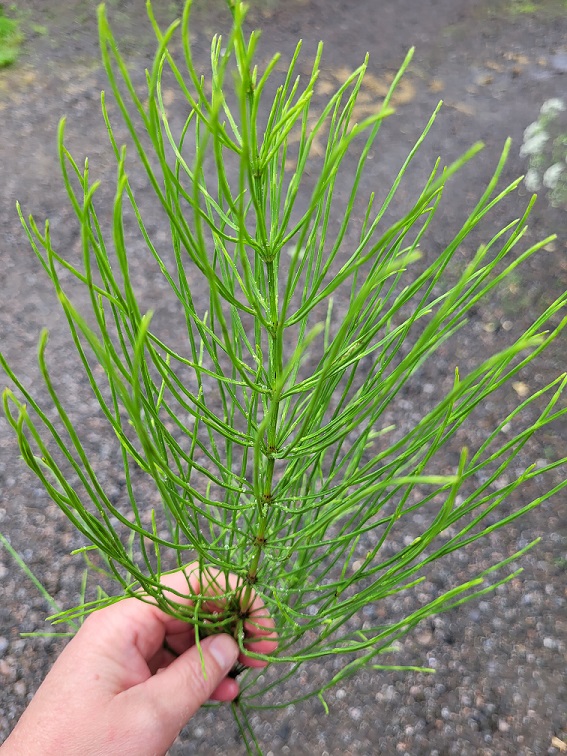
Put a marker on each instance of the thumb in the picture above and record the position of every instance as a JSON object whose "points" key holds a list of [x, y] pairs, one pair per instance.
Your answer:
{"points": [[175, 694]]}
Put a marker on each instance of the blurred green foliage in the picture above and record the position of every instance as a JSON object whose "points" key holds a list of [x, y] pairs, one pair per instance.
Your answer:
{"points": [[11, 38]]}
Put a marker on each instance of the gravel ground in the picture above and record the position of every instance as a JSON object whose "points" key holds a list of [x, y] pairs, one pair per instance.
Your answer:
{"points": [[500, 684]]}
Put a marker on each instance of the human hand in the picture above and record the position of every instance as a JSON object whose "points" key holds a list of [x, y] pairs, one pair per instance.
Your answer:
{"points": [[132, 677]]}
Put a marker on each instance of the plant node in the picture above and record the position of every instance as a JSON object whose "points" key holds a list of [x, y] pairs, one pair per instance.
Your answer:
{"points": [[249, 580]]}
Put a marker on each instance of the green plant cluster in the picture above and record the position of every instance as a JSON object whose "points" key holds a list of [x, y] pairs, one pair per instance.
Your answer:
{"points": [[547, 7], [266, 431], [11, 39]]}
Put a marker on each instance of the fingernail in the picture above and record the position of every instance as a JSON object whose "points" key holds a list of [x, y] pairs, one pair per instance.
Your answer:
{"points": [[224, 650]]}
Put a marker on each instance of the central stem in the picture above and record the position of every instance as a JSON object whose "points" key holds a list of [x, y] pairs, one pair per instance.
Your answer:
{"points": [[275, 366]]}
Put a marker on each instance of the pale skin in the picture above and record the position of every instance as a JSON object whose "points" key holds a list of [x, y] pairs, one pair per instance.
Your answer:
{"points": [[132, 677]]}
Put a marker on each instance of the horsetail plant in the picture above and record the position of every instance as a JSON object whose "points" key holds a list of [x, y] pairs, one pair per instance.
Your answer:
{"points": [[268, 431]]}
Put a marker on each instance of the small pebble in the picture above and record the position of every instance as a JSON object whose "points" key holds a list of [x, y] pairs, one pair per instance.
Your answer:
{"points": [[7, 671], [355, 714], [4, 643], [559, 62]]}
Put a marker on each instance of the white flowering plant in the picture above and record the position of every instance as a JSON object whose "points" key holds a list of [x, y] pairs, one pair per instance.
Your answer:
{"points": [[272, 433], [545, 147]]}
